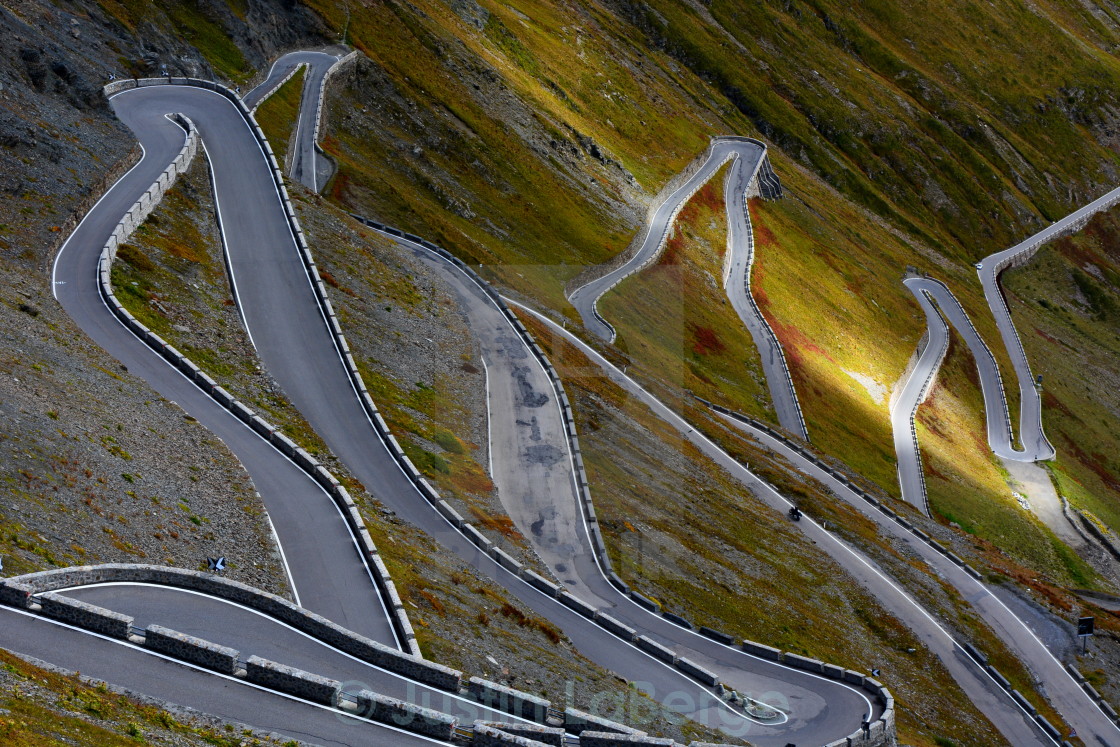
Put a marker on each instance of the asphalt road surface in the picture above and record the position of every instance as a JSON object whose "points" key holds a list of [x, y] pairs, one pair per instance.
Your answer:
{"points": [[307, 167], [1068, 697], [130, 666], [737, 285], [291, 337], [586, 298], [322, 559]]}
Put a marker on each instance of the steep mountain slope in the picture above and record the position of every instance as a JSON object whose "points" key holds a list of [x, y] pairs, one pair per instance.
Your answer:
{"points": [[529, 136]]}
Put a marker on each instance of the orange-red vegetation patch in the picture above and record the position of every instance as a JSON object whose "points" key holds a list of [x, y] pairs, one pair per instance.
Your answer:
{"points": [[673, 248], [501, 524], [705, 340], [763, 236]]}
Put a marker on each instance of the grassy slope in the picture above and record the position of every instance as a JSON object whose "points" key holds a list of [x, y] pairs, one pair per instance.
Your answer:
{"points": [[673, 320], [1066, 304], [277, 115], [41, 707]]}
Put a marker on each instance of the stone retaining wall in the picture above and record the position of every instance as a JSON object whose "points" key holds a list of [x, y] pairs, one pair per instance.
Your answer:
{"points": [[397, 616], [188, 648], [502, 698], [88, 616], [407, 716], [607, 739], [293, 681], [548, 735]]}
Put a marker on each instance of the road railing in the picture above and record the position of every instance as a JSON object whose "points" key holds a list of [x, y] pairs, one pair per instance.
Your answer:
{"points": [[777, 354], [398, 618], [884, 725]]}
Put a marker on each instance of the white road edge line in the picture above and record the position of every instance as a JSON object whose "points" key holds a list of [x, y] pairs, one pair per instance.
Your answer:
{"points": [[233, 281], [231, 678], [587, 350]]}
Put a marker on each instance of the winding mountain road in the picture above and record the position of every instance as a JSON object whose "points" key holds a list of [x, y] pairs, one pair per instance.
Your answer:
{"points": [[737, 285], [306, 168], [286, 325], [531, 465]]}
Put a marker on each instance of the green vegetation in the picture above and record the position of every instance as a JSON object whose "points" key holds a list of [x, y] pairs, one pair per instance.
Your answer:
{"points": [[40, 708], [1064, 303], [194, 23], [676, 325], [278, 114]]}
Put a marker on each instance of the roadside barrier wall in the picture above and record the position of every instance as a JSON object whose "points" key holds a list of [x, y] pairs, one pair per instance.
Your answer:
{"points": [[351, 515], [549, 735], [407, 716], [280, 609], [583, 491], [594, 273], [777, 354], [188, 648], [88, 616], [293, 681]]}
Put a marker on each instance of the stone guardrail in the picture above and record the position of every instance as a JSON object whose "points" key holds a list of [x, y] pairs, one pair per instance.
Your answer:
{"points": [[604, 620], [25, 591], [334, 69], [268, 94], [933, 375], [912, 416], [17, 591], [776, 351], [1022, 253], [397, 616], [594, 273], [971, 650]]}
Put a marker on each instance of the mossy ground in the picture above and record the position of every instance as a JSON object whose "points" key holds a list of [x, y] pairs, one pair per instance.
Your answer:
{"points": [[1066, 305], [278, 114], [40, 707]]}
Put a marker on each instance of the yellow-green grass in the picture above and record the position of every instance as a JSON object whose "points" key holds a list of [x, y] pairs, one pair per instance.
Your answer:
{"points": [[975, 494], [278, 114], [1066, 305], [683, 531], [191, 23], [45, 708], [674, 321]]}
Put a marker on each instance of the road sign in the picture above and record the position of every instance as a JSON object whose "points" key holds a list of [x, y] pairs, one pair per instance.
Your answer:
{"points": [[218, 564], [1084, 630]]}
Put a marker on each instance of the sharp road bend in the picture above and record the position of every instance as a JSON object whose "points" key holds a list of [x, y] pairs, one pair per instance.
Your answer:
{"points": [[286, 325], [941, 307], [737, 285], [532, 463], [307, 167], [748, 167]]}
